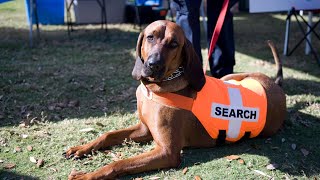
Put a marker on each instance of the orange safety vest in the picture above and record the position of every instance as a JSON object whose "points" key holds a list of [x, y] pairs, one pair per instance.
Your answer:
{"points": [[234, 106]]}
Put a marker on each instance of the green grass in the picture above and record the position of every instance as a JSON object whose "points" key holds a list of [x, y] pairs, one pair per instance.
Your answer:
{"points": [[62, 86]]}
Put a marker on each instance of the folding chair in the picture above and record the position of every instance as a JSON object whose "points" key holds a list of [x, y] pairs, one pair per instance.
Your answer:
{"points": [[311, 29]]}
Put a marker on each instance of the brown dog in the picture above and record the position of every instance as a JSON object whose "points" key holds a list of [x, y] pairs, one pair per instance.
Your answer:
{"points": [[161, 49]]}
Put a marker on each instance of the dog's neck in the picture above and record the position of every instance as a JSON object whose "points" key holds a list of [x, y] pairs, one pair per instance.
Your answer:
{"points": [[172, 85], [175, 83], [177, 73]]}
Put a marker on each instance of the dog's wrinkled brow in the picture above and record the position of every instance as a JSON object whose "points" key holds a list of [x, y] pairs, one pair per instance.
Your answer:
{"points": [[159, 30]]}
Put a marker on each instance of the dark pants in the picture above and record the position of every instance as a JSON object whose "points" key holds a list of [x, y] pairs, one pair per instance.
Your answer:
{"points": [[188, 12]]}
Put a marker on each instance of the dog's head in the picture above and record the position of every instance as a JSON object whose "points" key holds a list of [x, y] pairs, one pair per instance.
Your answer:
{"points": [[161, 49]]}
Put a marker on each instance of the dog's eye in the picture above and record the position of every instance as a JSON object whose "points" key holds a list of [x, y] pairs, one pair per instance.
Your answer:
{"points": [[150, 38], [173, 44]]}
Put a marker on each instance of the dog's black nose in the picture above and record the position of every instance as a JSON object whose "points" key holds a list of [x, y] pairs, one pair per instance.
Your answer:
{"points": [[154, 65], [154, 62]]}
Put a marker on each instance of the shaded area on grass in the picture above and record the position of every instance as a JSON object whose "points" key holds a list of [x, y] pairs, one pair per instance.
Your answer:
{"points": [[89, 75], [10, 175], [301, 86]]}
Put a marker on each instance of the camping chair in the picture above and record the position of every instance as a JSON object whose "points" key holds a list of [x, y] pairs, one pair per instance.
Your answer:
{"points": [[301, 21]]}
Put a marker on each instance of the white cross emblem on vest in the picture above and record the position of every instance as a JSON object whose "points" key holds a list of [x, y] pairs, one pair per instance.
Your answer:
{"points": [[235, 113]]}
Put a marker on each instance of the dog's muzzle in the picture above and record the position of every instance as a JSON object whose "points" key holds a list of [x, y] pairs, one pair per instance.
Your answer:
{"points": [[154, 67]]}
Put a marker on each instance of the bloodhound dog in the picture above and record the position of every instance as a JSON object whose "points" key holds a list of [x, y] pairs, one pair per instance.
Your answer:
{"points": [[166, 63]]}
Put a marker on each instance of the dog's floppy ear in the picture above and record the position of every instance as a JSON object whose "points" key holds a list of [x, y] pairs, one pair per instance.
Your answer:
{"points": [[136, 73], [192, 67]]}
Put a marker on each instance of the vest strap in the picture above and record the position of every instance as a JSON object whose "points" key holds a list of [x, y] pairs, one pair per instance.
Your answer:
{"points": [[168, 99], [221, 139], [223, 134]]}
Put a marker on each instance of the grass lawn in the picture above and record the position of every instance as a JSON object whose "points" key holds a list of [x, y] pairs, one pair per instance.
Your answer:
{"points": [[64, 92]]}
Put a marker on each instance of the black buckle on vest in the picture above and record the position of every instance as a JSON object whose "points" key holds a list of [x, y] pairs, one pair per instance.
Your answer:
{"points": [[246, 135], [221, 137], [223, 134]]}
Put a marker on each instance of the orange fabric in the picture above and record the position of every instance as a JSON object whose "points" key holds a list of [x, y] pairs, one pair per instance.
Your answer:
{"points": [[217, 91], [236, 107], [168, 99]]}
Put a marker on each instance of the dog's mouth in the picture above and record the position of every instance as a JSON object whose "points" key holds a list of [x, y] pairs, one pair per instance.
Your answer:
{"points": [[152, 76], [159, 76]]}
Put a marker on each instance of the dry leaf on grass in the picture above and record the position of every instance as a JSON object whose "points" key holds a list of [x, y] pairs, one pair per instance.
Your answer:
{"points": [[94, 107], [51, 107], [184, 171], [18, 149], [232, 157], [42, 133], [87, 130], [107, 151], [197, 177], [154, 178], [304, 152], [116, 157], [74, 103], [22, 125], [24, 136], [54, 169], [29, 148], [33, 160], [241, 161], [85, 163], [262, 173], [40, 163], [272, 166], [10, 166]]}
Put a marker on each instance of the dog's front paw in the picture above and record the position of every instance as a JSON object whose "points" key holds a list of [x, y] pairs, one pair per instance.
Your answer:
{"points": [[78, 151]]}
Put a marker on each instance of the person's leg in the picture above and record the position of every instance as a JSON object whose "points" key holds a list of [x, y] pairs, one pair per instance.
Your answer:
{"points": [[188, 18], [222, 65]]}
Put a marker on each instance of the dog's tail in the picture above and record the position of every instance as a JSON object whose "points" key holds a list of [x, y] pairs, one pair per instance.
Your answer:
{"points": [[279, 76]]}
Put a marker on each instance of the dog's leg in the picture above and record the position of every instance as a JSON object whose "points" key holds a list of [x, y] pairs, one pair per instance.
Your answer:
{"points": [[156, 159], [138, 133], [169, 139]]}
